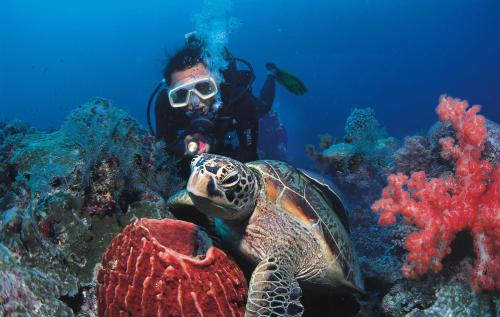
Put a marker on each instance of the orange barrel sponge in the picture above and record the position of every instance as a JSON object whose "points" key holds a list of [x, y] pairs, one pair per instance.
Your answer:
{"points": [[168, 268]]}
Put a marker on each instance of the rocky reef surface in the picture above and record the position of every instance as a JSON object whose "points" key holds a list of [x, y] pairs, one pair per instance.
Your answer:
{"points": [[447, 294], [64, 195]]}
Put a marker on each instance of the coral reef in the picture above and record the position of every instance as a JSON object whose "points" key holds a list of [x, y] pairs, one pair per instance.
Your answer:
{"points": [[67, 193], [436, 296], [168, 268], [10, 134], [491, 151], [358, 165], [416, 154], [423, 153], [88, 301], [28, 291], [361, 174], [442, 207], [363, 130], [378, 257]]}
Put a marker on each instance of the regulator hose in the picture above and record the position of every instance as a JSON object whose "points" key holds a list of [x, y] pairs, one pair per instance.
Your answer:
{"points": [[148, 110]]}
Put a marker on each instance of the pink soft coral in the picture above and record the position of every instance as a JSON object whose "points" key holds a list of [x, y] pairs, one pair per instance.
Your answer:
{"points": [[442, 207]]}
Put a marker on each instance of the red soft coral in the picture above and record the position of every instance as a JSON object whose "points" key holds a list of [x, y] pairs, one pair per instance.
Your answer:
{"points": [[442, 207]]}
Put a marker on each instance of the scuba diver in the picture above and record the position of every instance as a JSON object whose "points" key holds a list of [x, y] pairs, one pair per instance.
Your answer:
{"points": [[196, 111]]}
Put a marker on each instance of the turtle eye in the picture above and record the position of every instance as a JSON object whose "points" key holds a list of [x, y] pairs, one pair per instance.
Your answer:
{"points": [[230, 180], [194, 160]]}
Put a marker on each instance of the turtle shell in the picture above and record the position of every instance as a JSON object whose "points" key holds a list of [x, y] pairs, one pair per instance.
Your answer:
{"points": [[331, 194], [314, 204]]}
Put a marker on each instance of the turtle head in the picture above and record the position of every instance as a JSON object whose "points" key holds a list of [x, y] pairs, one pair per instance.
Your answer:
{"points": [[222, 187]]}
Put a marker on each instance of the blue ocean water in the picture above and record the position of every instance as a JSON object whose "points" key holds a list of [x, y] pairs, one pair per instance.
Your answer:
{"points": [[395, 56]]}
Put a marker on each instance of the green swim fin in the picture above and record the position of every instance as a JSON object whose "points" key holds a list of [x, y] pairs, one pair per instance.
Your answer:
{"points": [[288, 80]]}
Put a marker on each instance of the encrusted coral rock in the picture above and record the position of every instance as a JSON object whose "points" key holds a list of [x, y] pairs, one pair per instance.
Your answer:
{"points": [[168, 268], [27, 291], [64, 195], [447, 294], [363, 129]]}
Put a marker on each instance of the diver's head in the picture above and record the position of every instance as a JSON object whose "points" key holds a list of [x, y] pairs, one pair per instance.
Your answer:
{"points": [[191, 84]]}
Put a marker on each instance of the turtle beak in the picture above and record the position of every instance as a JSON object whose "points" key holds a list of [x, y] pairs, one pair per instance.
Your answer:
{"points": [[204, 194], [203, 184], [197, 184]]}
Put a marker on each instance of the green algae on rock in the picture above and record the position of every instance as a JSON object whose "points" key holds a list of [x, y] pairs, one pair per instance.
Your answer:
{"points": [[70, 191]]}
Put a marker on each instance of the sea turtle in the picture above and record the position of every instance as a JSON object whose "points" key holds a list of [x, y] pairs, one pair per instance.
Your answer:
{"points": [[285, 221]]}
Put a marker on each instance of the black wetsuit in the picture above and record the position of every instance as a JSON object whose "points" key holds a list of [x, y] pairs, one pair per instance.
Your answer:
{"points": [[235, 130]]}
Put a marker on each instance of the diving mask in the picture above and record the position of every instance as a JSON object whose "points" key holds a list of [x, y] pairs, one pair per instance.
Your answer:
{"points": [[204, 87]]}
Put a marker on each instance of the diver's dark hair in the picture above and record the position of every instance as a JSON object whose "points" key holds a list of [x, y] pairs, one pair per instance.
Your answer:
{"points": [[185, 58]]}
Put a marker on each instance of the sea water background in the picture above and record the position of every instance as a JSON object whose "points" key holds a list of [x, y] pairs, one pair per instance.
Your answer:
{"points": [[396, 56]]}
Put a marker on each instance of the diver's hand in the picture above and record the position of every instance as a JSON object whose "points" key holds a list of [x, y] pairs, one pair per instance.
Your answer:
{"points": [[195, 144]]}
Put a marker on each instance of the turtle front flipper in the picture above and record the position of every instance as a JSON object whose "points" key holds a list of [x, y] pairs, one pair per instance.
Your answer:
{"points": [[274, 290], [180, 200], [181, 205]]}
